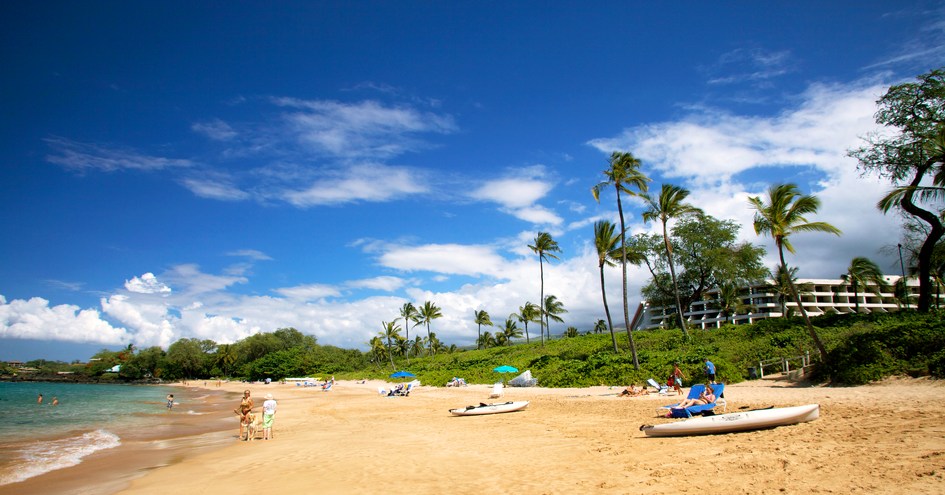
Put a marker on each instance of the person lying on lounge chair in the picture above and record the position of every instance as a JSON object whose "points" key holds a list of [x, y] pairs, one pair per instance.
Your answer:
{"points": [[706, 397], [633, 391]]}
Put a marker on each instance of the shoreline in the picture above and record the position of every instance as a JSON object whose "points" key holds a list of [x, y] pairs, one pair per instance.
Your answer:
{"points": [[879, 438]]}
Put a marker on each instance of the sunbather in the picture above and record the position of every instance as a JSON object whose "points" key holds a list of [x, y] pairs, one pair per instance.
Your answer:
{"points": [[706, 397], [633, 391]]}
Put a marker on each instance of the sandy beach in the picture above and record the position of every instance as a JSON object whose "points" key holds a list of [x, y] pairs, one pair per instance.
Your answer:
{"points": [[879, 438]]}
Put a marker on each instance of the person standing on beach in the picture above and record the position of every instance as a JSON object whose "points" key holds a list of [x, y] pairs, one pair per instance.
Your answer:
{"points": [[246, 407], [677, 379], [170, 401], [709, 371], [269, 413]]}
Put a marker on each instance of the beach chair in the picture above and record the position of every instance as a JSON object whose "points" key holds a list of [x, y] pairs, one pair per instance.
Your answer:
{"points": [[327, 387], [496, 391], [660, 387], [691, 411]]}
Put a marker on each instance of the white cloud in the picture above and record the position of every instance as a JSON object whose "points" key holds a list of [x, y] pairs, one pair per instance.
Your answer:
{"points": [[35, 319], [216, 130], [309, 292], [82, 156], [363, 129], [358, 183], [146, 284], [452, 259], [518, 194]]}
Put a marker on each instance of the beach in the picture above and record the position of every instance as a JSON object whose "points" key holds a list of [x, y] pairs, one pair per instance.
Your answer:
{"points": [[879, 438]]}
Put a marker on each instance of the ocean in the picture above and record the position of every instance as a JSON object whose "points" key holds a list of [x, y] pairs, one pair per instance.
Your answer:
{"points": [[90, 418]]}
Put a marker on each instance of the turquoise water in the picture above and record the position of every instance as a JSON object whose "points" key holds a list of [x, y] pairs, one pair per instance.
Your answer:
{"points": [[38, 438]]}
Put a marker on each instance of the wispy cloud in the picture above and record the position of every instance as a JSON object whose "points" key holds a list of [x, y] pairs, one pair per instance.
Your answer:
{"points": [[753, 66], [517, 194], [84, 156], [363, 182], [215, 129], [362, 129]]}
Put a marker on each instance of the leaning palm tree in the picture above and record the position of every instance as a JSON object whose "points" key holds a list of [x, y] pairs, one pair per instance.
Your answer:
{"points": [[623, 174], [482, 318], [527, 313], [428, 313], [863, 272], [544, 246], [390, 332], [552, 308], [605, 241], [670, 205], [783, 215]]}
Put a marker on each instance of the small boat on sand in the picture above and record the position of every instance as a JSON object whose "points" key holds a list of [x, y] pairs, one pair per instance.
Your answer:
{"points": [[738, 421], [484, 408]]}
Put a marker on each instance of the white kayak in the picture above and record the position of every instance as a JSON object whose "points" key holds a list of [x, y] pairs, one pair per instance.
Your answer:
{"points": [[503, 407], [739, 421]]}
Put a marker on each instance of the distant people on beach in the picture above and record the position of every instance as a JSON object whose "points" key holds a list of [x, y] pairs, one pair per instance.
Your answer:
{"points": [[170, 401], [677, 379], [269, 416], [456, 382], [633, 391], [39, 400], [245, 407], [709, 371], [55, 401]]}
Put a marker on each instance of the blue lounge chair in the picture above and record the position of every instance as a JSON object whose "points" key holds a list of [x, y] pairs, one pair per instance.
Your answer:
{"points": [[690, 411]]}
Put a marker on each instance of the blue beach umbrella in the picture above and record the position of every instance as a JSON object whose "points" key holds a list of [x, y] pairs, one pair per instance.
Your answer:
{"points": [[403, 374], [506, 369]]}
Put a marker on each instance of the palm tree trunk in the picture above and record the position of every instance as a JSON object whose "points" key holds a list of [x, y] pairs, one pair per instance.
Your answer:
{"points": [[541, 302], [797, 300], [672, 273], [610, 324], [623, 263]]}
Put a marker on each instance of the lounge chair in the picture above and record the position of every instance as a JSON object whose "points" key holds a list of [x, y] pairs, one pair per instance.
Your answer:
{"points": [[690, 411], [661, 388], [496, 391]]}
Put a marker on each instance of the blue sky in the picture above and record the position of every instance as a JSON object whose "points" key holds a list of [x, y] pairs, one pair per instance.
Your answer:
{"points": [[172, 170]]}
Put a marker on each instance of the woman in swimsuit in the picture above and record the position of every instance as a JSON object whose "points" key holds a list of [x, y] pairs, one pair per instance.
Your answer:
{"points": [[246, 406], [706, 397]]}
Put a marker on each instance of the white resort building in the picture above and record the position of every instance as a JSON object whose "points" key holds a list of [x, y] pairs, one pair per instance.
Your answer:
{"points": [[823, 296]]}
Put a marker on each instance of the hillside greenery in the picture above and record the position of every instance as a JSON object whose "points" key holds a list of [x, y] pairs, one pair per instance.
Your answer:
{"points": [[862, 348]]}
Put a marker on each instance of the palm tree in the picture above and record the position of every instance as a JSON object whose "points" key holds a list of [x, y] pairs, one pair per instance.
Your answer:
{"points": [[571, 332], [784, 285], [623, 174], [605, 241], [600, 326], [428, 313], [782, 216], [378, 350], [482, 318], [863, 272], [416, 346], [553, 308], [668, 206], [409, 314], [391, 332], [730, 301], [487, 340], [544, 246], [510, 331], [226, 357], [527, 313]]}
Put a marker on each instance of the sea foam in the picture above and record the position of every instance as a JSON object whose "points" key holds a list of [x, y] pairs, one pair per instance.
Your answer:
{"points": [[37, 458]]}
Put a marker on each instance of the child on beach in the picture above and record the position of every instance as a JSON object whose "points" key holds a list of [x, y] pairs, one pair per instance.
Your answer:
{"points": [[170, 401]]}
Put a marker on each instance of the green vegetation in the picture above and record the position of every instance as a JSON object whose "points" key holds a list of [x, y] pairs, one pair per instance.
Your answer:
{"points": [[863, 348]]}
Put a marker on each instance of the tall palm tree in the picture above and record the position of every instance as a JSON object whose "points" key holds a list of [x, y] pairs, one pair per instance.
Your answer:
{"points": [[409, 314], [624, 174], [670, 205], [390, 332], [863, 272], [544, 246], [782, 216], [552, 308], [605, 241], [428, 313], [527, 313], [482, 318]]}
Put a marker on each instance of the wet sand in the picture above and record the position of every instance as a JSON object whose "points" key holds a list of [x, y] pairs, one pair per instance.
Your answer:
{"points": [[880, 438]]}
